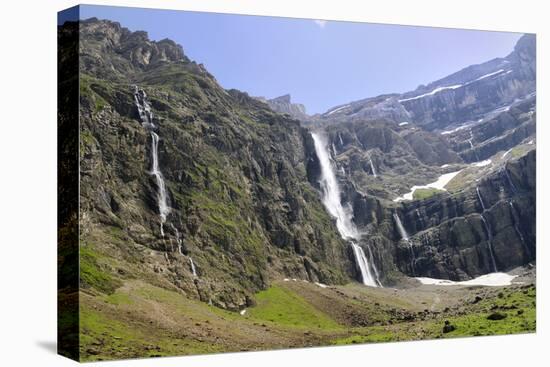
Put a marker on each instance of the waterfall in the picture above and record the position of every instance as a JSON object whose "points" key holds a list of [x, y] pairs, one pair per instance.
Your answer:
{"points": [[341, 141], [509, 179], [372, 167], [144, 109], [516, 227], [334, 153], [489, 243], [178, 240], [488, 231], [363, 263], [146, 117], [480, 198], [161, 187], [193, 269], [343, 215], [472, 145], [405, 236]]}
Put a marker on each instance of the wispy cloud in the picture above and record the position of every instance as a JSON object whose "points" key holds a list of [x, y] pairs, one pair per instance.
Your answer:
{"points": [[320, 23]]}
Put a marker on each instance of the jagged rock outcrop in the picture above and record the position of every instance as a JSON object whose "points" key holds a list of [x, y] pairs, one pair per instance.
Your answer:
{"points": [[284, 105]]}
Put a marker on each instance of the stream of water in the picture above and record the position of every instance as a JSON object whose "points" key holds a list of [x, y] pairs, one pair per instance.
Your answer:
{"points": [[343, 215]]}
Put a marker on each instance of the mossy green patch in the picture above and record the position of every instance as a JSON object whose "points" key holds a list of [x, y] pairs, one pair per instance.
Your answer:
{"points": [[284, 307], [420, 194], [92, 274]]}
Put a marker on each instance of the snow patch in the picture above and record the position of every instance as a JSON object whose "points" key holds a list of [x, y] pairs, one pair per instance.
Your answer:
{"points": [[507, 152], [243, 312], [482, 163], [436, 90], [336, 110], [321, 285], [440, 184], [488, 75], [403, 123], [489, 280], [447, 132]]}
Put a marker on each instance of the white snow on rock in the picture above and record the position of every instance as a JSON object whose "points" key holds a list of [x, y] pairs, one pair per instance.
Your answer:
{"points": [[482, 163], [447, 132], [439, 89], [507, 152], [436, 90], [489, 280], [336, 110], [488, 75], [403, 123], [321, 285], [440, 184]]}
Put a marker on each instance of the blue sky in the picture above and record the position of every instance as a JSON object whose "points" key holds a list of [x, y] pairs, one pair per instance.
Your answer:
{"points": [[321, 64]]}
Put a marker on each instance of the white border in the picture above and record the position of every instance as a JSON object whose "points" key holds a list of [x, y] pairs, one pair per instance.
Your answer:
{"points": [[28, 183]]}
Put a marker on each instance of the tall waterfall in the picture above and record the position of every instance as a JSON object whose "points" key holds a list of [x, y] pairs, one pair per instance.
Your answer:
{"points": [[515, 218], [510, 182], [480, 199], [343, 215], [372, 167], [405, 236], [488, 231], [146, 117], [193, 269], [489, 243]]}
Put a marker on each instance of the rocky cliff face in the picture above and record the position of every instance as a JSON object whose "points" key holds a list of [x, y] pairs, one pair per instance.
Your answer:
{"points": [[284, 105], [479, 123], [241, 208]]}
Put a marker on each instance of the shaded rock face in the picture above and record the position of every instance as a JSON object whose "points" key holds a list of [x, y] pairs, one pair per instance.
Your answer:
{"points": [[500, 133], [447, 232], [243, 203]]}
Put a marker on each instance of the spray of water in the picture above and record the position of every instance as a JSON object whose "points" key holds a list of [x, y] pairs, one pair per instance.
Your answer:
{"points": [[405, 236], [146, 117], [342, 214]]}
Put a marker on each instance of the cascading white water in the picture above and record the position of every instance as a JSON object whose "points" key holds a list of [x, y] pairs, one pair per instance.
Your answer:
{"points": [[510, 182], [405, 236], [513, 210], [144, 109], [162, 201], [480, 199], [472, 145], [146, 117], [193, 269], [400, 228], [488, 231], [489, 243], [372, 167], [343, 215]]}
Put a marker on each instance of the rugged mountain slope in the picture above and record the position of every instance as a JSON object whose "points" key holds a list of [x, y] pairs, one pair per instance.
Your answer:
{"points": [[242, 211], [476, 126], [467, 95]]}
